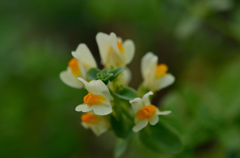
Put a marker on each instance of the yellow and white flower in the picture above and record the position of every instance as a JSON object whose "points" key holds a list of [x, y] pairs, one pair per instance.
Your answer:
{"points": [[98, 124], [113, 51], [78, 66], [97, 99], [155, 77], [145, 112]]}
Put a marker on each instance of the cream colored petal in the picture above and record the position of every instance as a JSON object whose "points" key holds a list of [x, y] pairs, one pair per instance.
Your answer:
{"points": [[125, 77], [86, 56], [154, 119], [103, 42], [102, 109], [101, 127], [140, 125], [137, 104], [80, 107], [84, 82], [80, 64], [113, 42], [146, 99], [85, 125], [87, 108], [148, 65], [167, 80], [69, 79], [97, 87], [129, 50], [163, 112]]}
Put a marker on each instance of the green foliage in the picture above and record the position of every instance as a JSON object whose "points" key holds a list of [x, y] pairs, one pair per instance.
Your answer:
{"points": [[105, 75], [121, 146], [121, 125], [125, 93], [161, 138]]}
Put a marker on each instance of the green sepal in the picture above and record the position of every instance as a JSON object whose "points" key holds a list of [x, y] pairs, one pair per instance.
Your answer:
{"points": [[92, 73], [161, 138], [125, 93]]}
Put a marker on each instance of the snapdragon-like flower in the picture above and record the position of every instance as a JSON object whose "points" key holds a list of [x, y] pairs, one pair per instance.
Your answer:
{"points": [[78, 66], [97, 99], [155, 76], [98, 124], [113, 51], [145, 112]]}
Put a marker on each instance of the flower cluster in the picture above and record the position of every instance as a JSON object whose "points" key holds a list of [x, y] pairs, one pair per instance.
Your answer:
{"points": [[108, 95]]}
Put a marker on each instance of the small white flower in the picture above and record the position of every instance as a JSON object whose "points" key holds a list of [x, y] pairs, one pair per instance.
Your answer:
{"points": [[97, 99], [98, 124], [155, 77], [78, 66], [145, 112], [113, 51]]}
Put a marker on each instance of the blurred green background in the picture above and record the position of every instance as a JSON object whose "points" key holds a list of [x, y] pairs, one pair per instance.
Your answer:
{"points": [[198, 40]]}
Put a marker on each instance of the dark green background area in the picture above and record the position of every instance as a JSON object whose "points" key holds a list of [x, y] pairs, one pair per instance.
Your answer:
{"points": [[198, 40]]}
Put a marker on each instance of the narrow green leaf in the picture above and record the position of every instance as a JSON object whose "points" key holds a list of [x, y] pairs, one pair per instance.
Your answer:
{"points": [[161, 138], [119, 123], [126, 93], [116, 72], [92, 73], [121, 146]]}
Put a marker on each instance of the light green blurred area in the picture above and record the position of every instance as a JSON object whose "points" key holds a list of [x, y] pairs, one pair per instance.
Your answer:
{"points": [[198, 40]]}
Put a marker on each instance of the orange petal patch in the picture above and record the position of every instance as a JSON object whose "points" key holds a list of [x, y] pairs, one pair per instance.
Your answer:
{"points": [[120, 46], [146, 112], [161, 70], [89, 118], [73, 64], [91, 99]]}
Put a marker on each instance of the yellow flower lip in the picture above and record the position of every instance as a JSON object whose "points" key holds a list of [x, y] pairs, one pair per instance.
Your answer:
{"points": [[146, 112], [120, 46], [161, 70], [91, 99], [73, 64], [89, 118]]}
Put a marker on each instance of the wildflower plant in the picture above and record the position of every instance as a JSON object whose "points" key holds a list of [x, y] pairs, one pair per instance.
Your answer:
{"points": [[111, 105]]}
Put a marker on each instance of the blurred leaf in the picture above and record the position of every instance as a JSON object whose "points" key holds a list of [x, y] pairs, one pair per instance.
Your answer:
{"points": [[119, 123], [160, 138], [121, 146]]}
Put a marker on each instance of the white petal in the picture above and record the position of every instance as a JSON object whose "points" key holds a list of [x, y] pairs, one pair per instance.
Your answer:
{"points": [[137, 104], [85, 125], [69, 79], [113, 42], [146, 99], [87, 108], [163, 112], [97, 87], [103, 42], [83, 81], [80, 64], [140, 125], [166, 80], [102, 109], [80, 107], [148, 65], [100, 127], [86, 56], [125, 77], [154, 119], [129, 50]]}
